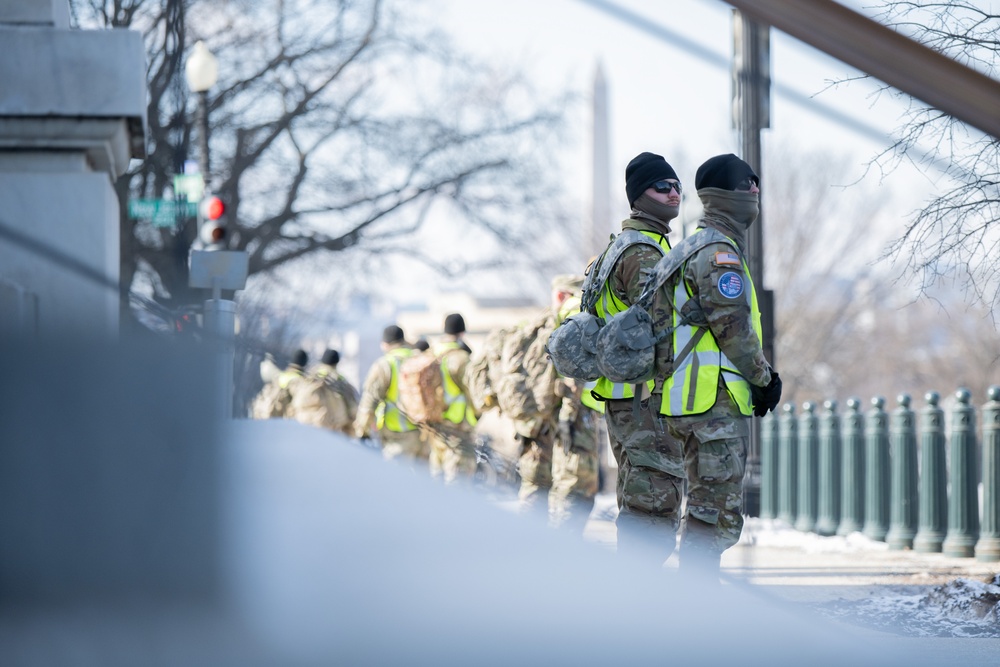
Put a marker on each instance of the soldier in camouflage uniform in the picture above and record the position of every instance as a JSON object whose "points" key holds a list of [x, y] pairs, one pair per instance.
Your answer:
{"points": [[650, 464], [326, 398], [712, 371], [554, 424], [378, 408], [453, 440], [576, 450], [275, 397]]}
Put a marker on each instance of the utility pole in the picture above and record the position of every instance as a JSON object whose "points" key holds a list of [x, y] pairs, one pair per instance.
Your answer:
{"points": [[751, 113]]}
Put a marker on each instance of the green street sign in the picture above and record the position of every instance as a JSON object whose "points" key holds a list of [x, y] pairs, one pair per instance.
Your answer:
{"points": [[161, 212], [189, 186]]}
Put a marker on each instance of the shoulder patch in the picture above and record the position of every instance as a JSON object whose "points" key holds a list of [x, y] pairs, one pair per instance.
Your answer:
{"points": [[730, 285], [727, 259]]}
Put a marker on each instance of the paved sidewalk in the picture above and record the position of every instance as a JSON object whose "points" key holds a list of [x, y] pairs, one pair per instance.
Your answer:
{"points": [[804, 566], [796, 565]]}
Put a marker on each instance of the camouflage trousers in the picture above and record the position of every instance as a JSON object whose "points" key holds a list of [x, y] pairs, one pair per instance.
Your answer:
{"points": [[408, 444], [715, 457], [658, 455], [575, 472], [650, 482], [452, 451], [565, 474]]}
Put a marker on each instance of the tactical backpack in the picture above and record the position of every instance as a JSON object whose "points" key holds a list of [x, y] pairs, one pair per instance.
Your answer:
{"points": [[625, 346], [273, 401], [573, 346], [421, 388], [521, 388], [325, 402], [482, 372]]}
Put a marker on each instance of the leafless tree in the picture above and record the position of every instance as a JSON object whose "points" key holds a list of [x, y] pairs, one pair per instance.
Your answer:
{"points": [[845, 326], [338, 127], [819, 260], [954, 232]]}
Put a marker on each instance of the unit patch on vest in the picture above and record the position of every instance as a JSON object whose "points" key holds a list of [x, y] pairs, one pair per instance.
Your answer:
{"points": [[730, 285], [727, 259]]}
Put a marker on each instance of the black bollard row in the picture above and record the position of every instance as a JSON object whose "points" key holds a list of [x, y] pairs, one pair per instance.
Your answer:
{"points": [[909, 478]]}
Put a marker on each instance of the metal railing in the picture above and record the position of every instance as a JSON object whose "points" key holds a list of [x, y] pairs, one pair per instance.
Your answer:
{"points": [[914, 479]]}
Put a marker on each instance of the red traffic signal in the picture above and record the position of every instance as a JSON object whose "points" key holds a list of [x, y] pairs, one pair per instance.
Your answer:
{"points": [[210, 213], [212, 208]]}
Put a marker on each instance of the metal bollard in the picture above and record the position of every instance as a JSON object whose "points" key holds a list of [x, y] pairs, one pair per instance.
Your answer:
{"points": [[903, 462], [852, 478], [988, 546], [788, 457], [933, 478], [769, 466], [876, 472], [828, 518], [805, 519], [963, 505]]}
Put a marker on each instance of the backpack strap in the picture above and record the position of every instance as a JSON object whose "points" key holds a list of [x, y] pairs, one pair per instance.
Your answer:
{"points": [[673, 260], [600, 273]]}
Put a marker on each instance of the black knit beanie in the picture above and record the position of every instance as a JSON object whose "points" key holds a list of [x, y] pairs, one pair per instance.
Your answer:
{"points": [[454, 324], [331, 357], [644, 170], [392, 334], [723, 172], [300, 358]]}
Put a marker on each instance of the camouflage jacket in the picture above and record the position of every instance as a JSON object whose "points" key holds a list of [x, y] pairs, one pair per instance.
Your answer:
{"points": [[629, 274], [728, 320]]}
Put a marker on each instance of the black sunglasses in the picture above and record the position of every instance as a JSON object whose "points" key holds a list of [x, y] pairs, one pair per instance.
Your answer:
{"points": [[744, 185], [665, 186]]}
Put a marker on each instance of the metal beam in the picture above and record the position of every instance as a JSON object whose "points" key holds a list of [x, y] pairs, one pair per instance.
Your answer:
{"points": [[899, 61]]}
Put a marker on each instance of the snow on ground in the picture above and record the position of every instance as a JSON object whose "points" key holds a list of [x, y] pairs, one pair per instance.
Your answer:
{"points": [[962, 607]]}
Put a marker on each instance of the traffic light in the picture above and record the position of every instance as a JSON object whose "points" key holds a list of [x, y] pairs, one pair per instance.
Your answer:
{"points": [[211, 220]]}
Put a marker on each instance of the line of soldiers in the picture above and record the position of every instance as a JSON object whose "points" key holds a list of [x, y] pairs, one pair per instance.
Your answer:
{"points": [[319, 396]]}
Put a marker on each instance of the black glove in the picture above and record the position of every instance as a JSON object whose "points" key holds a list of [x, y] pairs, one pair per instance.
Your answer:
{"points": [[766, 398], [772, 392], [758, 400]]}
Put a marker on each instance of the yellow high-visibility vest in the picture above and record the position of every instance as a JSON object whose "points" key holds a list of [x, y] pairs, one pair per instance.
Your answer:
{"points": [[607, 306], [388, 415], [458, 409], [693, 387]]}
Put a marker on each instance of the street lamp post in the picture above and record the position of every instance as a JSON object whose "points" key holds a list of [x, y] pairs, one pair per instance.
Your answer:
{"points": [[214, 269], [202, 72]]}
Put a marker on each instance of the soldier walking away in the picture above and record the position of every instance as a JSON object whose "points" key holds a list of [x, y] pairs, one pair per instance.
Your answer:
{"points": [[650, 470], [275, 397], [575, 447], [326, 399], [453, 438], [378, 410], [712, 368]]}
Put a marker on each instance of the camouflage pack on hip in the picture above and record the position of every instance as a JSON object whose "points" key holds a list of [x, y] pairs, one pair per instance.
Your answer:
{"points": [[573, 345], [623, 349]]}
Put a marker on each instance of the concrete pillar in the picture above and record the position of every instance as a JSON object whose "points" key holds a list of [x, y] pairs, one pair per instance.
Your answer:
{"points": [[933, 478], [787, 464], [988, 546], [963, 503], [903, 462], [852, 495], [769, 466], [805, 519], [828, 519], [72, 115], [877, 472]]}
